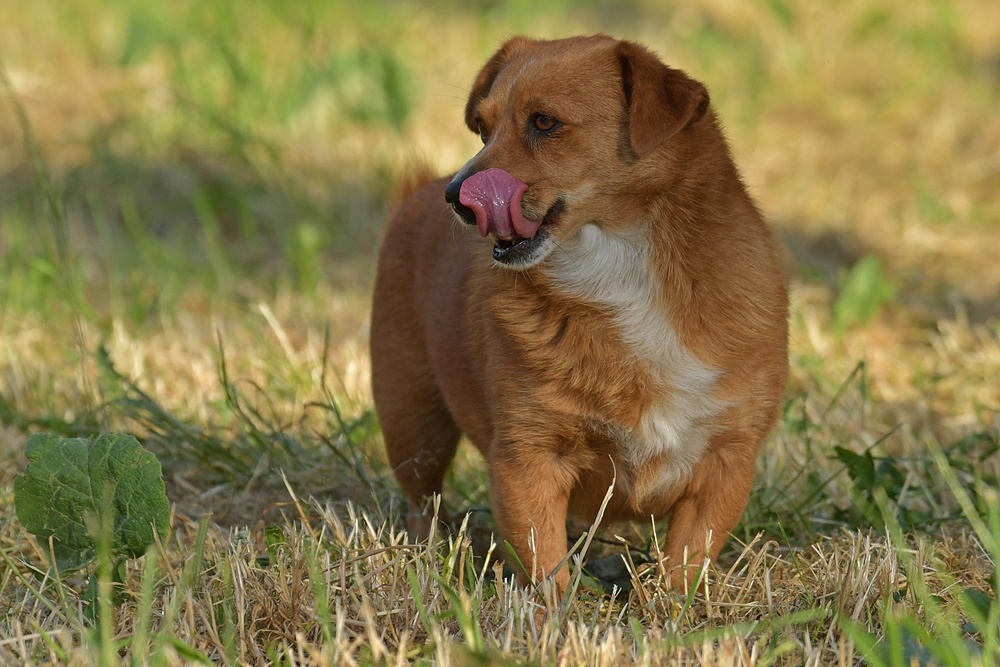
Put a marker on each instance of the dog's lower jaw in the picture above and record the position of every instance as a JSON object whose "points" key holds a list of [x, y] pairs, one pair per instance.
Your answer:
{"points": [[541, 246], [510, 258]]}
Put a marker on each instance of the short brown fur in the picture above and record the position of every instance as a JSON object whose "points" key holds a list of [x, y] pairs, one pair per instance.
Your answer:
{"points": [[546, 379]]}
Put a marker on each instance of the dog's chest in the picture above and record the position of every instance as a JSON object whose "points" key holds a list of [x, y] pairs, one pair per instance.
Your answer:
{"points": [[613, 272]]}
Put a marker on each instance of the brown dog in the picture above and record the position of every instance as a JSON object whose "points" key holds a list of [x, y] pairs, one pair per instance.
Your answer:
{"points": [[629, 323]]}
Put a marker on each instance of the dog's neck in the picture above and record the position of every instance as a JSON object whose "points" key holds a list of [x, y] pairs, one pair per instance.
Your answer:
{"points": [[605, 268], [615, 272]]}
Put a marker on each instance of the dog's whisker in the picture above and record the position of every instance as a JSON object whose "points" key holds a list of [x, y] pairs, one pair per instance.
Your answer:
{"points": [[463, 89], [450, 97]]}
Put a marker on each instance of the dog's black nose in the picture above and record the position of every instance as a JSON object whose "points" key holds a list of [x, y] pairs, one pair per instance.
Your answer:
{"points": [[453, 190], [451, 194]]}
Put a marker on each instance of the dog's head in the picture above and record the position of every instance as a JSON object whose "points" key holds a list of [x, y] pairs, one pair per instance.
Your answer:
{"points": [[573, 130]]}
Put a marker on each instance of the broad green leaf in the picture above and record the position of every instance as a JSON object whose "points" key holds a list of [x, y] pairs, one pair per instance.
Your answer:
{"points": [[860, 467], [72, 484]]}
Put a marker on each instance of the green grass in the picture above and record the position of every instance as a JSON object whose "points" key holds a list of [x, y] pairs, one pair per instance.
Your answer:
{"points": [[190, 201]]}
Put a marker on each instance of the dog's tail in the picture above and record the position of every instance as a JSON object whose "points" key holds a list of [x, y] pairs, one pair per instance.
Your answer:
{"points": [[415, 175]]}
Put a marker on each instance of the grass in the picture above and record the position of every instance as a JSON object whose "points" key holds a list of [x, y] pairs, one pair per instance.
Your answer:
{"points": [[190, 200]]}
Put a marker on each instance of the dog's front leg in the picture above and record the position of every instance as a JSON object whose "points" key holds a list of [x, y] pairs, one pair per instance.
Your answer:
{"points": [[711, 505], [530, 488]]}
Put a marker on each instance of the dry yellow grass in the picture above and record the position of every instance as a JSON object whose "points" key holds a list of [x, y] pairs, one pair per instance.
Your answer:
{"points": [[368, 596], [860, 126], [347, 588]]}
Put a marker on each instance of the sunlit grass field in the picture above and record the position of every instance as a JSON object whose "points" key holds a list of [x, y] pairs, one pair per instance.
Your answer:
{"points": [[191, 197]]}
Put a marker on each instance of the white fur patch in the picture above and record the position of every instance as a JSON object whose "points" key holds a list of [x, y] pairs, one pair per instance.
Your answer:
{"points": [[613, 271]]}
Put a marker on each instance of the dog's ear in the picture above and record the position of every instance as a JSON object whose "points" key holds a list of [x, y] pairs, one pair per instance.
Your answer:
{"points": [[488, 74], [661, 101]]}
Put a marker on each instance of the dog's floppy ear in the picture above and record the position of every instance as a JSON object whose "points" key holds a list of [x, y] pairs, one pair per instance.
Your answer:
{"points": [[661, 101], [486, 76]]}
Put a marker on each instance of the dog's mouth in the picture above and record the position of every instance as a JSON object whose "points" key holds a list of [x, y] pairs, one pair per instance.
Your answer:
{"points": [[491, 200], [519, 249]]}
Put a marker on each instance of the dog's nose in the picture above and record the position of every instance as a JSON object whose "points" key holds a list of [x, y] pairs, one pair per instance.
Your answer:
{"points": [[451, 195], [453, 190]]}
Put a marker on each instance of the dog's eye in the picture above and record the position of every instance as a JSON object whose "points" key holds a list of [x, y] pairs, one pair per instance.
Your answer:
{"points": [[483, 134], [545, 123]]}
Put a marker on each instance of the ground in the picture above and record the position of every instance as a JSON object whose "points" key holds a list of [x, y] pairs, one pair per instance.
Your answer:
{"points": [[191, 195]]}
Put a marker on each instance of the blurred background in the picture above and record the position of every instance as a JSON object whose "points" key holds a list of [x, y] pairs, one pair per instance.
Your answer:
{"points": [[188, 182], [277, 129]]}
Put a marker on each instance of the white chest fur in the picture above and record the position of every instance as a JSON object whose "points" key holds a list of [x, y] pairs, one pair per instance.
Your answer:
{"points": [[613, 271]]}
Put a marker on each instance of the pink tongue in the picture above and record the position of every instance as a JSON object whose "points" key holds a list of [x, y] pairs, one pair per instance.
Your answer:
{"points": [[495, 197]]}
